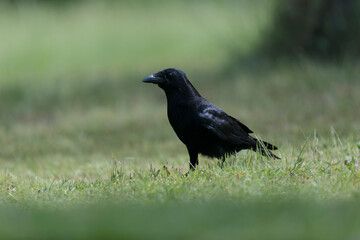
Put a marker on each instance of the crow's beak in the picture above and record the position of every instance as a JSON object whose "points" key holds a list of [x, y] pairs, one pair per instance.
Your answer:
{"points": [[152, 79]]}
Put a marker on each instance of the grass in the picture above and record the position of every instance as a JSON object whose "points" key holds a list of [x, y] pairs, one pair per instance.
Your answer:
{"points": [[309, 194], [320, 171], [256, 220], [86, 150], [97, 39]]}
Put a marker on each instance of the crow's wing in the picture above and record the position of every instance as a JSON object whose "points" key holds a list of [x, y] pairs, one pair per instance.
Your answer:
{"points": [[224, 126]]}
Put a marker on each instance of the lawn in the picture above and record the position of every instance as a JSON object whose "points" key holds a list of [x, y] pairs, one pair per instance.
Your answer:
{"points": [[86, 150]]}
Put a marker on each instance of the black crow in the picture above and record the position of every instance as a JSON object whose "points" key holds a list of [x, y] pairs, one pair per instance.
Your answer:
{"points": [[203, 127]]}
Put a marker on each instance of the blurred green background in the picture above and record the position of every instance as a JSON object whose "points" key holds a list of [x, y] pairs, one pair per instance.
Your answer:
{"points": [[72, 102]]}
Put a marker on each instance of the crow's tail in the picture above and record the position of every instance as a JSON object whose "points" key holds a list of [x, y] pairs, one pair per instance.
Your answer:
{"points": [[269, 146], [265, 147]]}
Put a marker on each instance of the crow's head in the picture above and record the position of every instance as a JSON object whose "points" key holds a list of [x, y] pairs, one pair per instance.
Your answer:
{"points": [[173, 81], [168, 78]]}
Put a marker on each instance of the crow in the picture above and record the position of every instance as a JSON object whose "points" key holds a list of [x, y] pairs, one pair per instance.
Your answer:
{"points": [[203, 127]]}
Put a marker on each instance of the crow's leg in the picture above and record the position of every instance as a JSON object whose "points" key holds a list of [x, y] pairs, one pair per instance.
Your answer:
{"points": [[222, 162], [194, 161]]}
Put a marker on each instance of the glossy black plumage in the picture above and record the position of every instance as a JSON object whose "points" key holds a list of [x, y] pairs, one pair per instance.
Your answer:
{"points": [[203, 127]]}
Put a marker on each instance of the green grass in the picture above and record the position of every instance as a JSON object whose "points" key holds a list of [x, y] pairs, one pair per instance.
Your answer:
{"points": [[86, 150], [257, 220], [310, 195], [42, 43], [317, 172]]}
